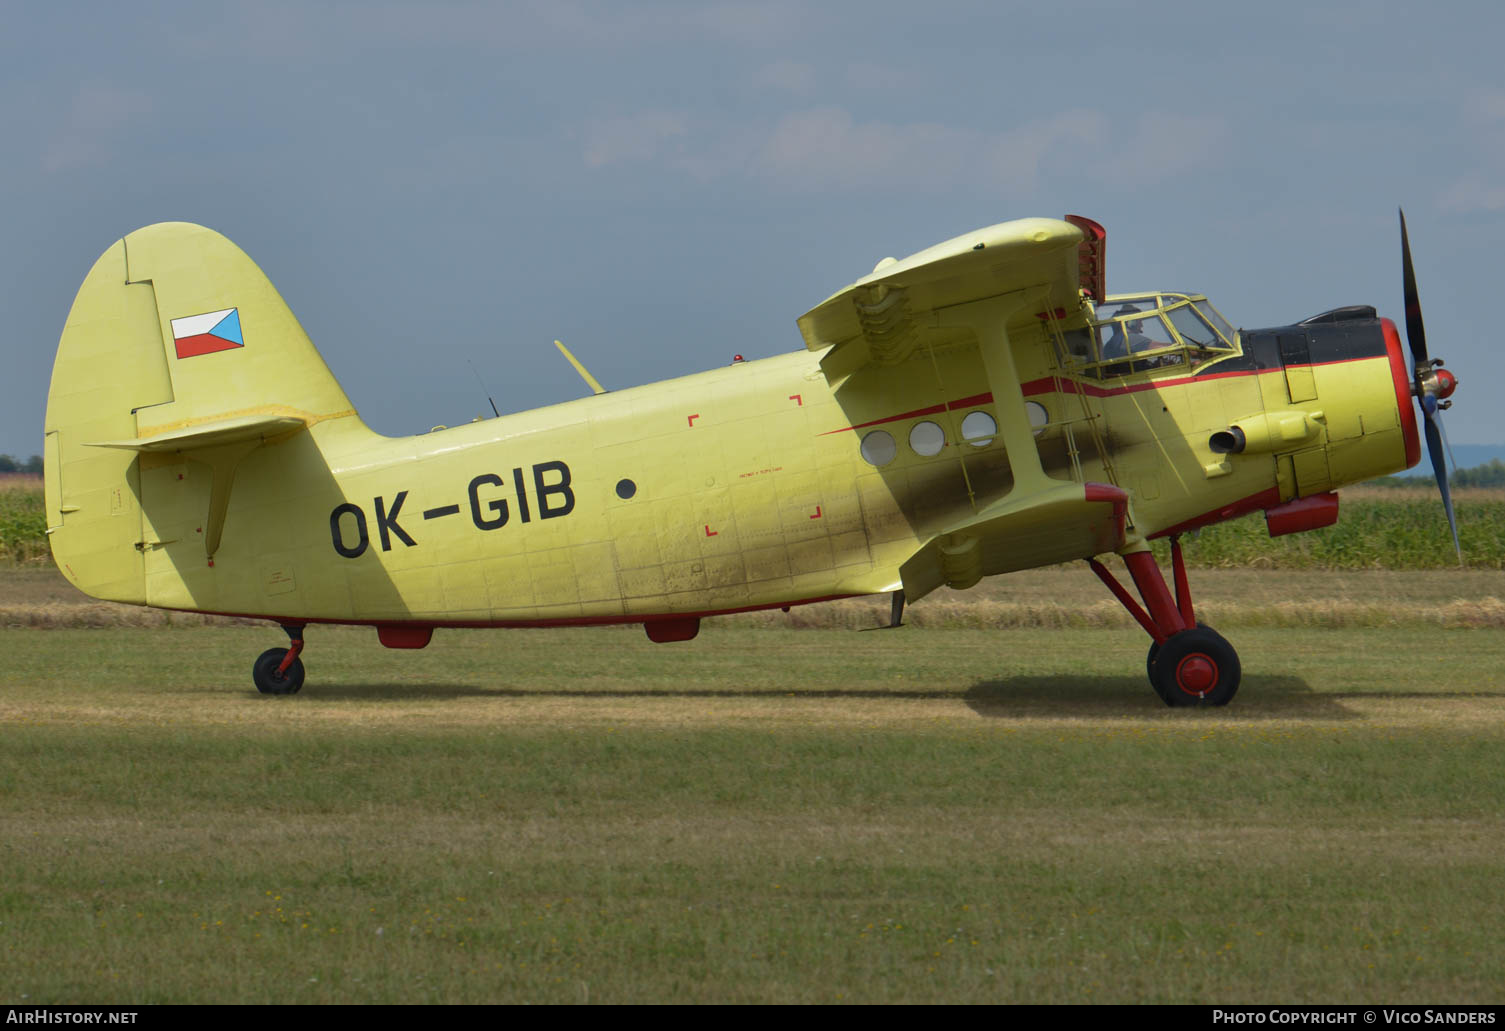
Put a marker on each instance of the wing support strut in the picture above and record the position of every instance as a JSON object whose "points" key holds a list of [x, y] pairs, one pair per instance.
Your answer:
{"points": [[1167, 616], [988, 319]]}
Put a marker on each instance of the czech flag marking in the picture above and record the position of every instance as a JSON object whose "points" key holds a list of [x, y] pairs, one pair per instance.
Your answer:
{"points": [[207, 333]]}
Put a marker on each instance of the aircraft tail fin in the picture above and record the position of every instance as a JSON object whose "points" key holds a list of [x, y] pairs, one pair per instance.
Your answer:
{"points": [[176, 342]]}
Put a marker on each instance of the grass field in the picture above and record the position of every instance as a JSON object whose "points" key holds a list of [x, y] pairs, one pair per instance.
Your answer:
{"points": [[989, 805], [763, 814]]}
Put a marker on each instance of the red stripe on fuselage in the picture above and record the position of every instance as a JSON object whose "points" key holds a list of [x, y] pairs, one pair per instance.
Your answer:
{"points": [[965, 402], [1047, 385], [1253, 503]]}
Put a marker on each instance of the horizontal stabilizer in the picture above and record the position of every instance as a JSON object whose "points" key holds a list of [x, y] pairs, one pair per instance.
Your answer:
{"points": [[245, 429], [1060, 524], [220, 444]]}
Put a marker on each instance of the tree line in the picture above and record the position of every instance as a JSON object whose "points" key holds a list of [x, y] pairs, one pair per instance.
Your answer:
{"points": [[1490, 474], [9, 464]]}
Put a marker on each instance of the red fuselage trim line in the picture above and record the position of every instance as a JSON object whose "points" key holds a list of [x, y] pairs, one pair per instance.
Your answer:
{"points": [[965, 402], [1253, 503], [522, 624], [1047, 385]]}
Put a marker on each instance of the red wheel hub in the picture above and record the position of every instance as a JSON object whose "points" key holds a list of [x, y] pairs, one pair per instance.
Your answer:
{"points": [[1196, 674]]}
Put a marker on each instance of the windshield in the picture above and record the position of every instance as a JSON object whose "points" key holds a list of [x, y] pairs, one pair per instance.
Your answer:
{"points": [[1169, 329]]}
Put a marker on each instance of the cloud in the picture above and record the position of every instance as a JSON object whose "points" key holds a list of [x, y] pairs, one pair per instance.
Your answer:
{"points": [[1480, 189], [635, 138], [96, 118], [829, 148], [791, 76], [873, 77], [282, 29]]}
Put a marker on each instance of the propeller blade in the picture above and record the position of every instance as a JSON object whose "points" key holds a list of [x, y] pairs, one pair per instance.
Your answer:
{"points": [[1452, 462], [1435, 445], [1416, 334]]}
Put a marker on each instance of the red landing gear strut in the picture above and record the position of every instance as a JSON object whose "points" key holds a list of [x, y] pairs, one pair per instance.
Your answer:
{"points": [[1189, 663], [279, 670]]}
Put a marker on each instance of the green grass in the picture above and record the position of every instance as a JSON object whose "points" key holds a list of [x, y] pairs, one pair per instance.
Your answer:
{"points": [[759, 815], [1373, 532], [23, 520]]}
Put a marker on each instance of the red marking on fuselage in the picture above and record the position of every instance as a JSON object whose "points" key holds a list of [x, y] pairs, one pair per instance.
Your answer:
{"points": [[817, 513], [1048, 385], [1253, 503], [710, 532], [1059, 313], [691, 420], [402, 635], [1302, 514], [797, 399], [965, 402], [667, 631]]}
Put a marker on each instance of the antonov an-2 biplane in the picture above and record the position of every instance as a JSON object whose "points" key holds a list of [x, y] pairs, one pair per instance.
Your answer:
{"points": [[978, 408]]}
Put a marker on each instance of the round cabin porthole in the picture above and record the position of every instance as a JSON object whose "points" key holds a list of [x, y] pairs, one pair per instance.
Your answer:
{"points": [[979, 429], [1039, 418], [927, 439], [878, 448]]}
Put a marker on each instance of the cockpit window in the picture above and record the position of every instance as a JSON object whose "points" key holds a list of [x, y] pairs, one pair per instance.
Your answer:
{"points": [[1210, 313], [1137, 334], [1193, 328], [1131, 331]]}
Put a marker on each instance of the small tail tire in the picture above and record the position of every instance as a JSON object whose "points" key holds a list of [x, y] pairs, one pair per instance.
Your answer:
{"points": [[1196, 667], [269, 681]]}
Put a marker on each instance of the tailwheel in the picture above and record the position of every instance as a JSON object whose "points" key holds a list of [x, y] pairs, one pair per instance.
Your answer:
{"points": [[1195, 667], [279, 670], [269, 680]]}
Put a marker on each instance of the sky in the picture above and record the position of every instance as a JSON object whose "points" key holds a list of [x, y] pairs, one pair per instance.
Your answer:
{"points": [[437, 188]]}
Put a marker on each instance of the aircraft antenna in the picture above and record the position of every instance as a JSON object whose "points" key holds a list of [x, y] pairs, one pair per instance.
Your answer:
{"points": [[590, 381], [483, 387]]}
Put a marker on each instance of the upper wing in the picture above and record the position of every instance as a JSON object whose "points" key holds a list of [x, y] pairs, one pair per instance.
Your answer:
{"points": [[878, 318]]}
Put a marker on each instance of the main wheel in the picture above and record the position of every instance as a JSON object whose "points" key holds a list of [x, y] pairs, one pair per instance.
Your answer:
{"points": [[1149, 668], [1196, 667], [269, 681]]}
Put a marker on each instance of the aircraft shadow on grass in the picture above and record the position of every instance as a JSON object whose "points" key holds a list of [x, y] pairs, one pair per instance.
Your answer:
{"points": [[1262, 697], [387, 692]]}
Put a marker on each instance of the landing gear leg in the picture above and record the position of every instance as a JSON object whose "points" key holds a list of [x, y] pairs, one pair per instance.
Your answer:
{"points": [[1188, 663], [279, 670]]}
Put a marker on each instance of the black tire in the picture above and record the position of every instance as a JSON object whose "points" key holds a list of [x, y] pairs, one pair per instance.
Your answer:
{"points": [[1197, 667], [264, 672], [1149, 668]]}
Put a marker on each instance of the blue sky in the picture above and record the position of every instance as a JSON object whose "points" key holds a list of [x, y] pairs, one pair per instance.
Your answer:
{"points": [[662, 185]]}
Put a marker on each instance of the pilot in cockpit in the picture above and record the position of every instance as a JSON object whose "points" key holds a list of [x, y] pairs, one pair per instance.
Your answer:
{"points": [[1121, 344]]}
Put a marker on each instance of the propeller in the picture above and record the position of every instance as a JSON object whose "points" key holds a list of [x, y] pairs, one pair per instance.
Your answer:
{"points": [[1432, 384]]}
